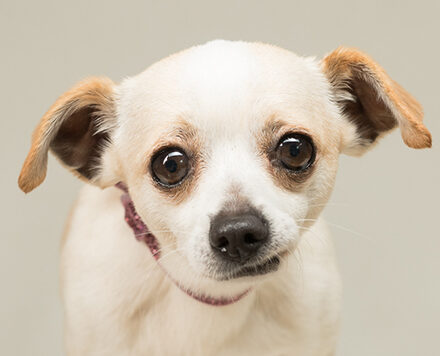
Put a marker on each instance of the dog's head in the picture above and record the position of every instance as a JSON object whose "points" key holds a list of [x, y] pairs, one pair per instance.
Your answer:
{"points": [[229, 149]]}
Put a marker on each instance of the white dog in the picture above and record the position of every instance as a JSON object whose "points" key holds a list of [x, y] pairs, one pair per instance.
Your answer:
{"points": [[228, 153]]}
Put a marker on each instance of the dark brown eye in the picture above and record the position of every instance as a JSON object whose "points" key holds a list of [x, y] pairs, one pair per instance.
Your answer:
{"points": [[170, 166], [296, 152]]}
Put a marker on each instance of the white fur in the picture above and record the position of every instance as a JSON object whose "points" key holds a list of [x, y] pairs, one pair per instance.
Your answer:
{"points": [[119, 302]]}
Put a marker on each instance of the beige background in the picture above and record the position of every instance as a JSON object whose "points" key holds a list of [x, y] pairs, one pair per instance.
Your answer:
{"points": [[384, 210]]}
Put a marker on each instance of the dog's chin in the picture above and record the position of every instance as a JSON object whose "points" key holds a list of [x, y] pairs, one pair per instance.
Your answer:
{"points": [[226, 284]]}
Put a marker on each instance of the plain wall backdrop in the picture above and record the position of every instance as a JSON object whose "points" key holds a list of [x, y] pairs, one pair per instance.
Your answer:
{"points": [[384, 211]]}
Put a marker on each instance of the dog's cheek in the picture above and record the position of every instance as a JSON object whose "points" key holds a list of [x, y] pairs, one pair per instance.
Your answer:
{"points": [[199, 255], [321, 187], [285, 220], [286, 232], [190, 226]]}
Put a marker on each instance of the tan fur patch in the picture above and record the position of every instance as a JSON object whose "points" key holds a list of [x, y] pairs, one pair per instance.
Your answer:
{"points": [[393, 104], [184, 136], [268, 139]]}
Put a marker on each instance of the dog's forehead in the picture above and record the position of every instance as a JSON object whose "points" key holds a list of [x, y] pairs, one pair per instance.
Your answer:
{"points": [[228, 86]]}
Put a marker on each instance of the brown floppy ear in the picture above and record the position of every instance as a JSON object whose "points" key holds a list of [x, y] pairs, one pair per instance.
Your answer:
{"points": [[372, 101], [76, 129]]}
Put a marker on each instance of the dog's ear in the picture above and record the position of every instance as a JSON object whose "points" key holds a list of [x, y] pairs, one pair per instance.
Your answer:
{"points": [[76, 129], [372, 101]]}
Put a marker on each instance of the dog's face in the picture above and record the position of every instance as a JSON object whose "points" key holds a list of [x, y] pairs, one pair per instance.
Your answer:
{"points": [[229, 150], [230, 155]]}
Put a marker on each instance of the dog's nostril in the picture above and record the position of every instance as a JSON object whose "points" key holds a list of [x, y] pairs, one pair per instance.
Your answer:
{"points": [[222, 242], [250, 239]]}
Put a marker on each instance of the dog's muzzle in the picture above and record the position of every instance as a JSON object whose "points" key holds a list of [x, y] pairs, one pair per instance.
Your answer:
{"points": [[143, 234]]}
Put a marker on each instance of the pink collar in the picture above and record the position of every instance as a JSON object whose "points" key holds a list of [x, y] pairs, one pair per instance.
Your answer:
{"points": [[142, 233]]}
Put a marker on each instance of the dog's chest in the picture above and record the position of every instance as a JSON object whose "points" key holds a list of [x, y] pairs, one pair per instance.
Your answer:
{"points": [[182, 326]]}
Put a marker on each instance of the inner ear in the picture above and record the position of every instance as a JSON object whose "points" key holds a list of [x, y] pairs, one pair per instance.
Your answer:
{"points": [[79, 142], [366, 109]]}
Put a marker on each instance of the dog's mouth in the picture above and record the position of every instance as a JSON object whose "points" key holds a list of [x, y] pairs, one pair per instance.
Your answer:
{"points": [[270, 265]]}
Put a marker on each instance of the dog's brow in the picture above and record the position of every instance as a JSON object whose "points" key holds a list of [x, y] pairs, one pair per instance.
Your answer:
{"points": [[273, 125], [181, 132], [271, 129]]}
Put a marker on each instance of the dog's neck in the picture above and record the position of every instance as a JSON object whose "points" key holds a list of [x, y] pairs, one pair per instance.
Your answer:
{"points": [[143, 234], [139, 228]]}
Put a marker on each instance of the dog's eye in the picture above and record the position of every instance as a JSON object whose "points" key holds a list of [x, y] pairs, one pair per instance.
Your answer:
{"points": [[296, 152], [170, 166]]}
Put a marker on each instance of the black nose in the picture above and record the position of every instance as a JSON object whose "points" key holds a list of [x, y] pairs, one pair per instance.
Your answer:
{"points": [[238, 237]]}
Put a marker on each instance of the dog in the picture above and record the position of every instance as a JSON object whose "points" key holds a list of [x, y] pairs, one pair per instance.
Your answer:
{"points": [[199, 232]]}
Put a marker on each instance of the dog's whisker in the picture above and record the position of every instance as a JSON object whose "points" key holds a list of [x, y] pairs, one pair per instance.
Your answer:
{"points": [[180, 249], [319, 237], [163, 247], [339, 227], [329, 204], [161, 259], [158, 231], [297, 255]]}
